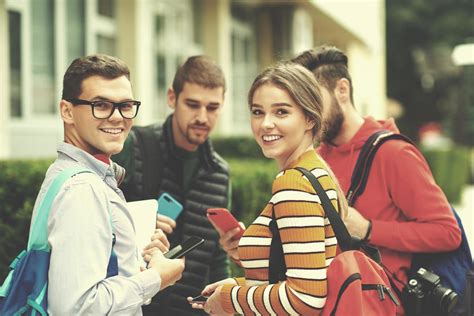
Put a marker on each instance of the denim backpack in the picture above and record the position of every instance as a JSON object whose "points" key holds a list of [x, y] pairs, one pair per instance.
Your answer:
{"points": [[25, 290], [452, 267]]}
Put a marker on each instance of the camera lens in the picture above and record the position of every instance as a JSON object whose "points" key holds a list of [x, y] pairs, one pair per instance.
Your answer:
{"points": [[447, 298]]}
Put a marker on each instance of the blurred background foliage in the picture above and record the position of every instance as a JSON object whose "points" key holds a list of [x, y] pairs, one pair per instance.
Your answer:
{"points": [[251, 175], [420, 73]]}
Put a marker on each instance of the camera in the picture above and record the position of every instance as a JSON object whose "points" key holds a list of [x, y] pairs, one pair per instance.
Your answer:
{"points": [[425, 295]]}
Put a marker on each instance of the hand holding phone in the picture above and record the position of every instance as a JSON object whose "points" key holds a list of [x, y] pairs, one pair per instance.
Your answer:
{"points": [[185, 247], [224, 220], [168, 206], [200, 299]]}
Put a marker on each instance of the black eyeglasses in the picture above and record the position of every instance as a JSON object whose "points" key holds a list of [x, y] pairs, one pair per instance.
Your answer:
{"points": [[104, 109]]}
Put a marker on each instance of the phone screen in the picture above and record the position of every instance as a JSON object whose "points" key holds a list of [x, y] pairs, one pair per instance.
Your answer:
{"points": [[201, 299], [182, 249]]}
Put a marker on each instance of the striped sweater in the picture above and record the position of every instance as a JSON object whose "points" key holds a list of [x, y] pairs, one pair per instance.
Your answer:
{"points": [[308, 243]]}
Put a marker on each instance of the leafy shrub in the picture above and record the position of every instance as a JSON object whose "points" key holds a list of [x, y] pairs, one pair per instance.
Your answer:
{"points": [[20, 181], [251, 177], [237, 147], [450, 169], [251, 186]]}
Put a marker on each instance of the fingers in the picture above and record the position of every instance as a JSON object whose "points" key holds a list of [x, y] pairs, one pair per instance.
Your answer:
{"points": [[161, 236], [195, 305], [146, 256], [208, 290], [154, 245], [227, 242], [165, 223], [170, 270]]}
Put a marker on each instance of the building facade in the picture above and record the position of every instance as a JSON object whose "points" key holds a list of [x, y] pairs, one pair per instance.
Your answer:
{"points": [[39, 38]]}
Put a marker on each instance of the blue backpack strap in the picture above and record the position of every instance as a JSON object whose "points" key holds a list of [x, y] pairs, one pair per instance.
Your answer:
{"points": [[38, 238], [112, 267]]}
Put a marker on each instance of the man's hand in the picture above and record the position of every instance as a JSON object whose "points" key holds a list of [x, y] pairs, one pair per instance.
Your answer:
{"points": [[165, 223], [170, 270], [158, 242], [356, 224]]}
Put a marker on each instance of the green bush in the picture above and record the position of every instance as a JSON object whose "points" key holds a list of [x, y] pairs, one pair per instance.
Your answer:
{"points": [[251, 186], [20, 181], [450, 169], [251, 189], [237, 147], [251, 177]]}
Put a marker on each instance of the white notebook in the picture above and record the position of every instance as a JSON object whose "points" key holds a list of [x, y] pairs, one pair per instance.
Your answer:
{"points": [[144, 219]]}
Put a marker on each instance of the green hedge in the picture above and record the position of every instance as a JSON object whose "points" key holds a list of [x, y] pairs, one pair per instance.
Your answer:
{"points": [[20, 181], [451, 169], [252, 177], [237, 147]]}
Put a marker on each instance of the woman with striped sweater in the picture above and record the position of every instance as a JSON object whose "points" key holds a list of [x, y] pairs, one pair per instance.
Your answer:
{"points": [[286, 109]]}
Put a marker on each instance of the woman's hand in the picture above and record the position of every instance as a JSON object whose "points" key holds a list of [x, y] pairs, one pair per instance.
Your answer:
{"points": [[229, 242], [213, 304]]}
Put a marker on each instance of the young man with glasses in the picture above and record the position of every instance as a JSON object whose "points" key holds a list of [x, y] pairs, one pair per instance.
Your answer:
{"points": [[177, 157], [89, 220]]}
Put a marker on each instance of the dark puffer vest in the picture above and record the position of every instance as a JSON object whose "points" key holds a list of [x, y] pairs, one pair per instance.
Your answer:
{"points": [[208, 189]]}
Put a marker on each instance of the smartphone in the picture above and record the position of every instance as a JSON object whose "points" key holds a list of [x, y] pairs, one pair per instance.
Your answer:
{"points": [[223, 219], [200, 299], [168, 206], [185, 247]]}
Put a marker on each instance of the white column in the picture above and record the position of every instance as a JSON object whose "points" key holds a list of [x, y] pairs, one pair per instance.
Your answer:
{"points": [[224, 58], [4, 84], [141, 43]]}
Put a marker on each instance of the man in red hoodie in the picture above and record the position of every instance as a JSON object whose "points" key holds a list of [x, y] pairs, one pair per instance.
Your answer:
{"points": [[402, 210]]}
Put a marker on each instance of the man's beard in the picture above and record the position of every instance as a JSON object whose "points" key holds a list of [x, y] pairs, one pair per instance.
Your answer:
{"points": [[195, 139], [332, 124]]}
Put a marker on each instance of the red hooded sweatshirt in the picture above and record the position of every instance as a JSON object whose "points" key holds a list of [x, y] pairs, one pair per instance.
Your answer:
{"points": [[409, 212]]}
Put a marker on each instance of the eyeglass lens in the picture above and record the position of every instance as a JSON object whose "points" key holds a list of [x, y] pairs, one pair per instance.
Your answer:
{"points": [[104, 109]]}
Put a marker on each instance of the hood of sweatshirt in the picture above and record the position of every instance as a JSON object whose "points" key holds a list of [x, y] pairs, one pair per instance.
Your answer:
{"points": [[342, 158], [369, 127]]}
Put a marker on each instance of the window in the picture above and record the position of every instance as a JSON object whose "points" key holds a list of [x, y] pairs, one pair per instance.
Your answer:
{"points": [[14, 20], [244, 66], [173, 19], [43, 54], [106, 8], [104, 29], [44, 37], [106, 44], [76, 44]]}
